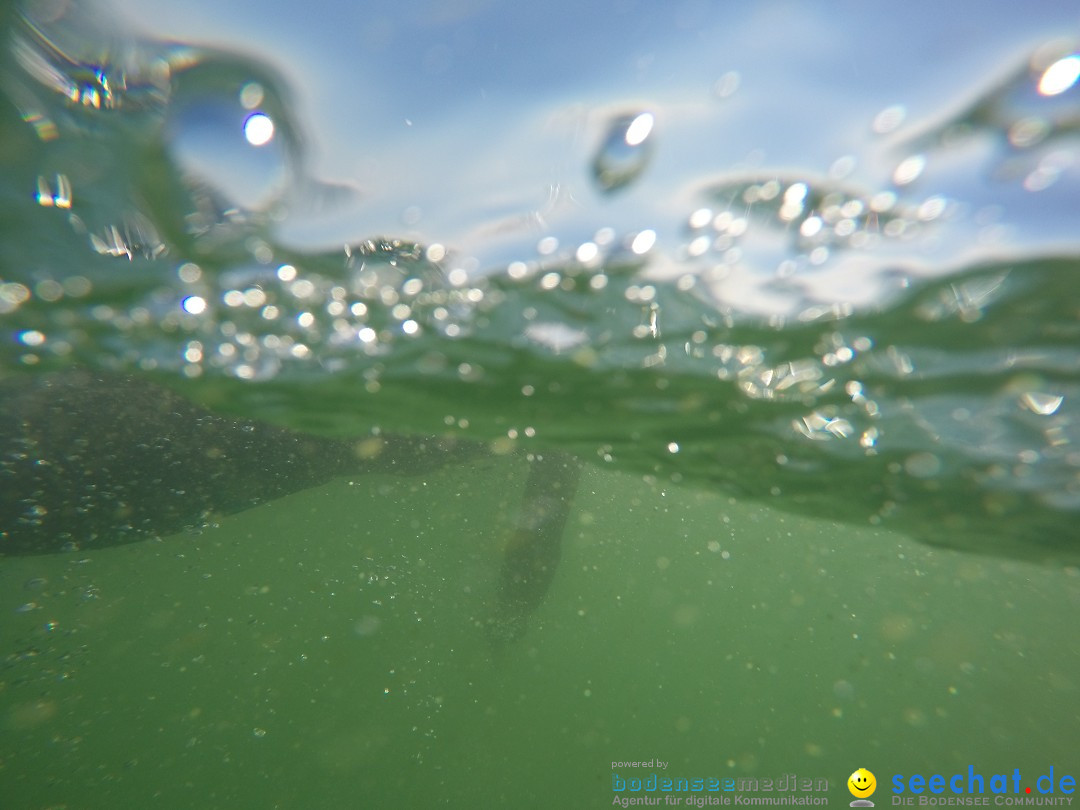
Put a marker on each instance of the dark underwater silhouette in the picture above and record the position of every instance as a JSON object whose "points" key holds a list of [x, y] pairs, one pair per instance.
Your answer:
{"points": [[89, 461]]}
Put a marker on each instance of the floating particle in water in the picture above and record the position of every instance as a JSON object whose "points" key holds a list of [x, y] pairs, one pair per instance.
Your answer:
{"points": [[367, 626], [922, 465], [625, 151], [23, 716]]}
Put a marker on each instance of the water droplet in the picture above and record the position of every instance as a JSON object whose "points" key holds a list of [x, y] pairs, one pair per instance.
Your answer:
{"points": [[251, 95], [1042, 404], [244, 154], [643, 242], [1060, 76], [259, 129], [889, 119], [625, 151], [726, 85], [909, 169], [31, 337]]}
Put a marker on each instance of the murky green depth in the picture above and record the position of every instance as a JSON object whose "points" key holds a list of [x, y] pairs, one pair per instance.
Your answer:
{"points": [[322, 651]]}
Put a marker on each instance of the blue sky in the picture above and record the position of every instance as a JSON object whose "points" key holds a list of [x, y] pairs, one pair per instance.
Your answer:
{"points": [[476, 115]]}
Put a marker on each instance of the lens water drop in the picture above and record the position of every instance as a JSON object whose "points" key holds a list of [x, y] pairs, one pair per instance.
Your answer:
{"points": [[243, 155], [625, 151]]}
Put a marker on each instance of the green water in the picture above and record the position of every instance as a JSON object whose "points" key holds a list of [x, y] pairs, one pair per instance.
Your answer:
{"points": [[827, 518], [321, 651]]}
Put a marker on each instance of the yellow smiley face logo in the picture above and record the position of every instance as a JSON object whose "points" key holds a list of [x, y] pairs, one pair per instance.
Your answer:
{"points": [[862, 784]]}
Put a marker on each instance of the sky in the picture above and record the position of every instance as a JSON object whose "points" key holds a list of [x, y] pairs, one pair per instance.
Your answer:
{"points": [[469, 122]]}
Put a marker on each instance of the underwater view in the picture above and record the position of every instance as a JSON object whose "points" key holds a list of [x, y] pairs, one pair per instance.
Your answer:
{"points": [[468, 404]]}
